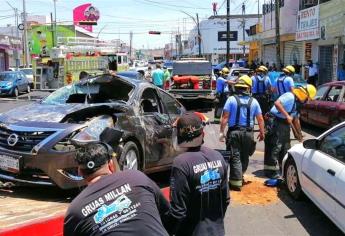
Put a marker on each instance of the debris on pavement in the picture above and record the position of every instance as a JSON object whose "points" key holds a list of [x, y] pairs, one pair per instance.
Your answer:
{"points": [[254, 192]]}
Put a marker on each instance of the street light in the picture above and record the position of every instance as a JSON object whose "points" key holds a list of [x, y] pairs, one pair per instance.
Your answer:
{"points": [[198, 27], [55, 29]]}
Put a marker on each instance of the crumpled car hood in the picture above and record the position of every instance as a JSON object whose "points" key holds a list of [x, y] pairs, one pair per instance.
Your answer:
{"points": [[42, 112]]}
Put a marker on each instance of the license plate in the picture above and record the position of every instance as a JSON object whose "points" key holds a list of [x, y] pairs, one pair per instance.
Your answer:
{"points": [[9, 163]]}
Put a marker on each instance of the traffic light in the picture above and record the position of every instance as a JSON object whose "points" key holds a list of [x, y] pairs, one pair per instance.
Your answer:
{"points": [[154, 32]]}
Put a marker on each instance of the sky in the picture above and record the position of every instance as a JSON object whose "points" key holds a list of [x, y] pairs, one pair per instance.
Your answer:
{"points": [[119, 17]]}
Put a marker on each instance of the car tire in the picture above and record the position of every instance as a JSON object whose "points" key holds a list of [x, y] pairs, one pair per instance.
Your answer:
{"points": [[291, 179], [129, 159], [28, 89], [15, 92]]}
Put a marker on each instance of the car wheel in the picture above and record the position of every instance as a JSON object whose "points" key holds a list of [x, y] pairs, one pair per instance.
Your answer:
{"points": [[292, 180], [129, 159], [28, 89], [15, 92]]}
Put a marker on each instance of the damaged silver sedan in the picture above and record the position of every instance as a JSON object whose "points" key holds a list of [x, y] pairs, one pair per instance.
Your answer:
{"points": [[36, 141]]}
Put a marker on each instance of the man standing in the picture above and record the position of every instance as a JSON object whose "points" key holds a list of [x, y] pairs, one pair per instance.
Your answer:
{"points": [[261, 89], [166, 75], [341, 72], [113, 203], [285, 82], [158, 76], [312, 73], [199, 186], [148, 74], [284, 114], [239, 113], [221, 86]]}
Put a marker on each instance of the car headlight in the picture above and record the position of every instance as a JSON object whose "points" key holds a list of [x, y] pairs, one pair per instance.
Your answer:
{"points": [[8, 84], [92, 132]]}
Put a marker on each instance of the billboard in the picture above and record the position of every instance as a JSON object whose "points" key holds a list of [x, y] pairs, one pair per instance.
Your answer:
{"points": [[308, 26], [41, 38], [86, 13]]}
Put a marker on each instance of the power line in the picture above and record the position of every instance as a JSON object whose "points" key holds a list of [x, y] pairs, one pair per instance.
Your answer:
{"points": [[173, 5]]}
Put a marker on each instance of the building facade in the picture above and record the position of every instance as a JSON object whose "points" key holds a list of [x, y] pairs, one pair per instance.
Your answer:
{"points": [[213, 37]]}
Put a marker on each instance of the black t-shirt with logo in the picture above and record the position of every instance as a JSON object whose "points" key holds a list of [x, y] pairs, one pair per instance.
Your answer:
{"points": [[123, 203], [199, 193]]}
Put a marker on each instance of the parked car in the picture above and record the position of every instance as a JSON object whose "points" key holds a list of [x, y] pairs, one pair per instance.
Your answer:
{"points": [[29, 75], [13, 83], [317, 168], [298, 80], [328, 107], [132, 74], [36, 140]]}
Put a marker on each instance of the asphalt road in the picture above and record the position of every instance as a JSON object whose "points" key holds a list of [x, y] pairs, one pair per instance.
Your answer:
{"points": [[279, 215]]}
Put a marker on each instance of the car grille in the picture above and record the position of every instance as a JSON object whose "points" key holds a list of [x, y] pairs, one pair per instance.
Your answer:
{"points": [[27, 140]]}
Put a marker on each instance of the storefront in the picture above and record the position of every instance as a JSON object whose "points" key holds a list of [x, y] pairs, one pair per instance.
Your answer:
{"points": [[10, 49], [293, 54]]}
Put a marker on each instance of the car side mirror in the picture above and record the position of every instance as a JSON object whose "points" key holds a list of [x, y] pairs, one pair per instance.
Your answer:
{"points": [[310, 144]]}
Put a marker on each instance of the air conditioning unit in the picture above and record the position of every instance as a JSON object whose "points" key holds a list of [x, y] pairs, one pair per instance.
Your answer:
{"points": [[309, 3]]}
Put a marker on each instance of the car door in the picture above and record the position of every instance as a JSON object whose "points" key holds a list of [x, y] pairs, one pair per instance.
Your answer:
{"points": [[158, 129], [340, 196], [327, 108], [321, 170], [21, 82], [174, 110], [309, 112]]}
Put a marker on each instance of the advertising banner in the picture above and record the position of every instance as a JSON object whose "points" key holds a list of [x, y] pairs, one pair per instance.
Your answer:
{"points": [[222, 36], [308, 26], [86, 13]]}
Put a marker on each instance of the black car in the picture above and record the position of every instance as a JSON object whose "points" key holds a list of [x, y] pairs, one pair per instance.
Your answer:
{"points": [[36, 140]]}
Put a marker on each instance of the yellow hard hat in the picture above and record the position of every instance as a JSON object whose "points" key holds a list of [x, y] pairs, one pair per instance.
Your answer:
{"points": [[225, 71], [289, 69], [305, 92], [244, 81], [263, 68]]}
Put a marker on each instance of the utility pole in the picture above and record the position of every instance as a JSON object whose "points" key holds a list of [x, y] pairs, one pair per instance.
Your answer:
{"points": [[55, 28], [258, 11], [244, 28], [277, 19], [26, 46], [130, 44], [16, 22], [199, 34], [227, 32]]}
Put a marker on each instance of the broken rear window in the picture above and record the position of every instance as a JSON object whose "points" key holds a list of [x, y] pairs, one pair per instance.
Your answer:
{"points": [[93, 91]]}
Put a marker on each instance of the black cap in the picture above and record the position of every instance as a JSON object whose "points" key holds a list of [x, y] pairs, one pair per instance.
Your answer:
{"points": [[93, 155], [189, 129]]}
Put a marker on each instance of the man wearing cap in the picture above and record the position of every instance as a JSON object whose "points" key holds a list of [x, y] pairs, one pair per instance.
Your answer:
{"points": [[198, 184], [285, 82], [261, 89], [239, 113], [113, 203], [221, 86], [284, 114]]}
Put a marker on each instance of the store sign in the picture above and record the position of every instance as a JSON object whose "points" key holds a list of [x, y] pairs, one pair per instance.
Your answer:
{"points": [[222, 36], [308, 26], [85, 16]]}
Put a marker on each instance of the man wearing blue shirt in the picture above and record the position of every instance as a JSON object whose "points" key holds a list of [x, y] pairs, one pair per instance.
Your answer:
{"points": [[158, 76], [261, 89], [285, 82], [221, 88], [341, 72], [239, 113], [283, 114]]}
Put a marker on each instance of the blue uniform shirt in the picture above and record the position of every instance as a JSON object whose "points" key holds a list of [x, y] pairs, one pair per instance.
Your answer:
{"points": [[220, 84], [158, 77], [258, 87], [231, 107], [284, 83], [289, 104]]}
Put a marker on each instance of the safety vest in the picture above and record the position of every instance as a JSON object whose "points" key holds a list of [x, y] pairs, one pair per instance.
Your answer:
{"points": [[280, 84], [238, 111], [260, 83]]}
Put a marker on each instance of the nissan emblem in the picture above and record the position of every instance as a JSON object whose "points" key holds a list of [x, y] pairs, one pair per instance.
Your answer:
{"points": [[12, 139]]}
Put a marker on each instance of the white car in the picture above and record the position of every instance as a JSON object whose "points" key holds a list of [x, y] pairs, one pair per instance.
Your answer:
{"points": [[29, 75], [317, 168]]}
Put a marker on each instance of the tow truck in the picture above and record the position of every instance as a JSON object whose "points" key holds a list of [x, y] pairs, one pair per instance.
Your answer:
{"points": [[193, 83]]}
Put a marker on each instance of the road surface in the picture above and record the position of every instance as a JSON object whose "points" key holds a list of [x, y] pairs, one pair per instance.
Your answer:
{"points": [[257, 210]]}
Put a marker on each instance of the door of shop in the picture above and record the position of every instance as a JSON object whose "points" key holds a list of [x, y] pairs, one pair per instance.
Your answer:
{"points": [[325, 70], [2, 61], [269, 54], [293, 54]]}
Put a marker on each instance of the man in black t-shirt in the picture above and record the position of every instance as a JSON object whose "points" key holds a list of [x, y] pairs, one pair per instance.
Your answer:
{"points": [[120, 203], [199, 183]]}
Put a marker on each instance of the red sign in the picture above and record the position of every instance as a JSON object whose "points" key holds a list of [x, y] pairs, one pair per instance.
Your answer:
{"points": [[86, 13]]}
